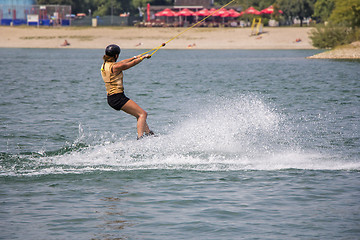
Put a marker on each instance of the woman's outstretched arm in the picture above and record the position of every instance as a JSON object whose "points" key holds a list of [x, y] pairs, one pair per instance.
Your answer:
{"points": [[128, 63]]}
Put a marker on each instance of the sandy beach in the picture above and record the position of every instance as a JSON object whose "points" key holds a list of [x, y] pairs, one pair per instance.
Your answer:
{"points": [[148, 38]]}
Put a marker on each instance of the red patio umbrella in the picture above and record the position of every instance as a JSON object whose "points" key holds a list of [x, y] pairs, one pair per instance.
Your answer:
{"points": [[233, 13], [252, 10], [185, 13], [203, 13], [212, 10], [221, 13], [166, 13], [269, 10]]}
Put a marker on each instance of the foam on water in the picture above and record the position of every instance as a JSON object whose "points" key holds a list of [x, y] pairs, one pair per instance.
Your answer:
{"points": [[237, 134]]}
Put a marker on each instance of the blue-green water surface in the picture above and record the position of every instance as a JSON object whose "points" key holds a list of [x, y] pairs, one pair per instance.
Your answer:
{"points": [[252, 144]]}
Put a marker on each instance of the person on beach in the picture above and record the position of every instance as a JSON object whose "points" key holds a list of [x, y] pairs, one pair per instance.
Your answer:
{"points": [[65, 43], [112, 74]]}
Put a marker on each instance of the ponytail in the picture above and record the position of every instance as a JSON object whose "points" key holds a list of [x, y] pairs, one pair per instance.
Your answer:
{"points": [[107, 58]]}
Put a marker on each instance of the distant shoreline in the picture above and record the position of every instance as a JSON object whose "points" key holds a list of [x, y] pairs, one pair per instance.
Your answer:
{"points": [[148, 38], [350, 51]]}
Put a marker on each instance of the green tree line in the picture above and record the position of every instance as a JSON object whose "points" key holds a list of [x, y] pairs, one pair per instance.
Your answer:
{"points": [[342, 23], [291, 8], [105, 7], [321, 10]]}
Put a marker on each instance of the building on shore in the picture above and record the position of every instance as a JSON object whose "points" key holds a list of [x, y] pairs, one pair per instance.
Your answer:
{"points": [[192, 3], [21, 12]]}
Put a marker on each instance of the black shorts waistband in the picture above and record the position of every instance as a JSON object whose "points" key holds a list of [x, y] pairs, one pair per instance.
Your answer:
{"points": [[117, 100]]}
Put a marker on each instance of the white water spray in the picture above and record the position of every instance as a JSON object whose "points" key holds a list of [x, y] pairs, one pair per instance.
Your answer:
{"points": [[241, 133]]}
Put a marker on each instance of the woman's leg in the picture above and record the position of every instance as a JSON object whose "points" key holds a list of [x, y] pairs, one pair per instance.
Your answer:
{"points": [[132, 108]]}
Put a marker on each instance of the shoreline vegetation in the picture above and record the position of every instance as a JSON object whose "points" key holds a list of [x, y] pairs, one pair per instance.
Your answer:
{"points": [[148, 38]]}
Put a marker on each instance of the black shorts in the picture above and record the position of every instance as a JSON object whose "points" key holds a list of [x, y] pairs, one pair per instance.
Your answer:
{"points": [[117, 101]]}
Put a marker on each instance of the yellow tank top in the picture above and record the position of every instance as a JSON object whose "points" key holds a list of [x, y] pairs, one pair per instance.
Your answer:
{"points": [[113, 81]]}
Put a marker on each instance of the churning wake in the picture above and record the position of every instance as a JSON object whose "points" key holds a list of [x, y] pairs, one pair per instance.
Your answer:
{"points": [[242, 133]]}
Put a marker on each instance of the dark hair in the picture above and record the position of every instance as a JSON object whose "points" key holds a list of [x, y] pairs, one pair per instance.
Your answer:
{"points": [[107, 58]]}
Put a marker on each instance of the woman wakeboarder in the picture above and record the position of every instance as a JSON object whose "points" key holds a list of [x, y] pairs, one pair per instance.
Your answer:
{"points": [[112, 74]]}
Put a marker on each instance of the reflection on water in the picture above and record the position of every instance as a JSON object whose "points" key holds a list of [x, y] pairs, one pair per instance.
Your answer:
{"points": [[113, 216]]}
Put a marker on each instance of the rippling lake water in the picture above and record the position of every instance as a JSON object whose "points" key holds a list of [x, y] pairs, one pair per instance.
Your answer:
{"points": [[252, 144]]}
